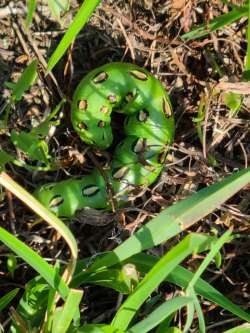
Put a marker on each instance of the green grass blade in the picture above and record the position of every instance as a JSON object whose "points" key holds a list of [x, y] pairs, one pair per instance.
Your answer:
{"points": [[247, 67], [31, 4], [35, 261], [190, 244], [201, 319], [78, 23], [217, 23], [181, 277], [71, 306], [176, 218], [6, 299], [212, 253], [245, 328], [159, 314], [25, 81]]}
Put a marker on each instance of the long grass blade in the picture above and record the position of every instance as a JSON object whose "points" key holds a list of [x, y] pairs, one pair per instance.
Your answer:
{"points": [[191, 243], [176, 218], [217, 23], [159, 314], [181, 277], [81, 18], [6, 299]]}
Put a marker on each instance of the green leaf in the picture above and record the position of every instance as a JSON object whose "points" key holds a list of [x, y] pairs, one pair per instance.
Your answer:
{"points": [[7, 298], [4, 159], [57, 7], [175, 219], [159, 314], [35, 261], [27, 78], [121, 279], [245, 328], [78, 23], [181, 277], [31, 4], [217, 23], [97, 328], [65, 316], [32, 305], [35, 148], [158, 273], [247, 67], [233, 101]]}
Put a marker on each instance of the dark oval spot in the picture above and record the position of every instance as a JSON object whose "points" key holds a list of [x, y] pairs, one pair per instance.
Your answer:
{"points": [[112, 98], [56, 201], [82, 125], [90, 190], [104, 109], [166, 108], [83, 104], [48, 187], [129, 97], [120, 173], [143, 115], [140, 75], [101, 124], [100, 77], [139, 146]]}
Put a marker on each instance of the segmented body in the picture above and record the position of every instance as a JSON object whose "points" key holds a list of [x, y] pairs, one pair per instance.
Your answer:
{"points": [[138, 159]]}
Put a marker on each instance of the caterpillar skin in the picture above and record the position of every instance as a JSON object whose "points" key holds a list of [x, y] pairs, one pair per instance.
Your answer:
{"points": [[138, 159]]}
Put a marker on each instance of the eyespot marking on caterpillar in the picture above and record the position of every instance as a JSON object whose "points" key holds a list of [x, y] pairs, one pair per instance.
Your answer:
{"points": [[56, 201], [129, 97], [166, 108], [140, 75], [112, 98], [143, 115], [139, 146], [83, 104], [120, 173], [48, 187], [82, 126], [101, 124], [100, 77], [90, 190], [104, 109]]}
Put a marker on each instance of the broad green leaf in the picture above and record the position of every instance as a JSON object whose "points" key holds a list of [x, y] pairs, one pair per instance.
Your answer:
{"points": [[31, 4], [32, 305], [4, 159], [70, 308], [27, 78], [79, 21], [158, 273], [175, 219], [7, 298], [217, 23], [245, 328], [181, 277], [159, 314], [35, 148], [121, 279], [35, 261]]}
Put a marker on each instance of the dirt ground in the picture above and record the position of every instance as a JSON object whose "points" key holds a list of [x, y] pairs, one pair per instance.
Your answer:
{"points": [[148, 33]]}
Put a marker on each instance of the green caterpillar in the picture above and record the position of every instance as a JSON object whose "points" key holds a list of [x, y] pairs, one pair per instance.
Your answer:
{"points": [[138, 159]]}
